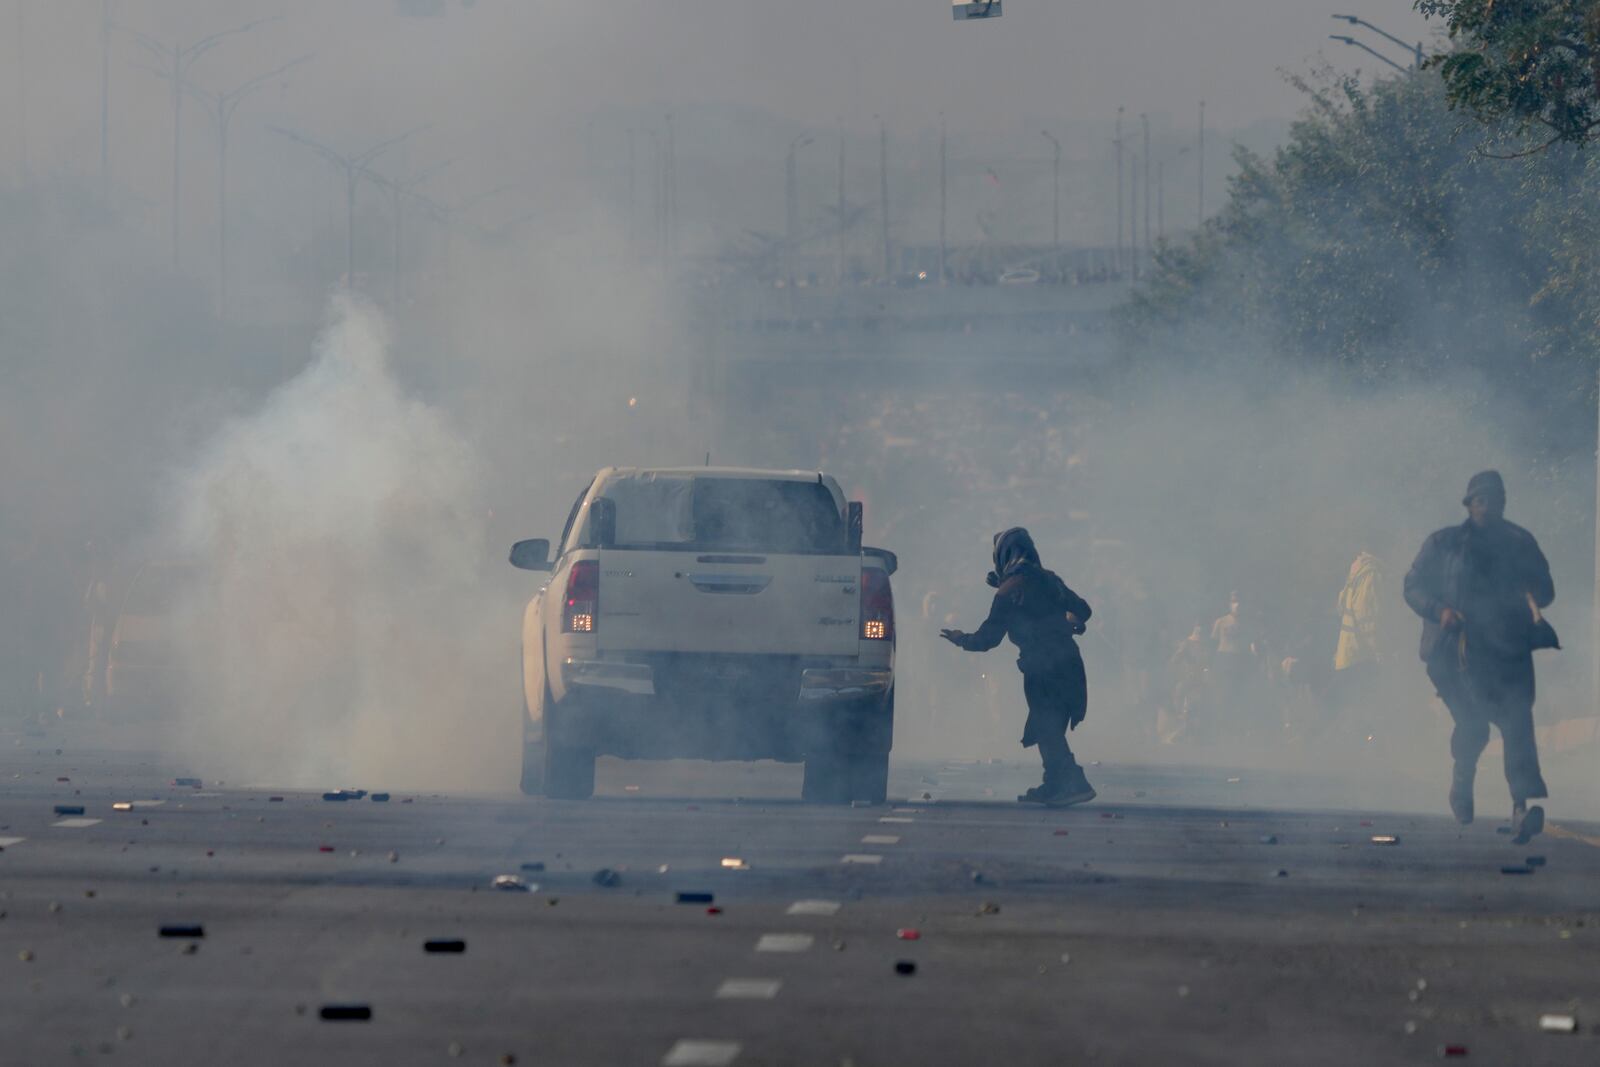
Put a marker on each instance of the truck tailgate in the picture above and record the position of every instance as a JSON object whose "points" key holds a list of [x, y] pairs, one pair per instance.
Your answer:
{"points": [[654, 601]]}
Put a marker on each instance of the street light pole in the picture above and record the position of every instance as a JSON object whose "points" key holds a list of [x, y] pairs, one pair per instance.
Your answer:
{"points": [[1353, 43], [354, 167], [176, 59], [944, 188], [883, 193], [222, 107], [1118, 142], [1414, 49], [1055, 212], [791, 208], [1144, 120]]}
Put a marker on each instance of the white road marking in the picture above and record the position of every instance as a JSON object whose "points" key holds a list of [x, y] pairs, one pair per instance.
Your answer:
{"points": [[880, 839], [701, 1053], [862, 857], [748, 988], [810, 907], [75, 824], [784, 942], [7, 842], [891, 818], [906, 811]]}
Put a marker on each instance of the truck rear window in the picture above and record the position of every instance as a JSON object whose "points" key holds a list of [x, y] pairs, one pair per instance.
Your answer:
{"points": [[678, 512]]}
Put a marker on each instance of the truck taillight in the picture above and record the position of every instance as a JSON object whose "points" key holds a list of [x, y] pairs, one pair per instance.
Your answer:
{"points": [[582, 607], [877, 606]]}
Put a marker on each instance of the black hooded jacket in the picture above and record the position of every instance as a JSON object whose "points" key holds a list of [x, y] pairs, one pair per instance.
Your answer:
{"points": [[1030, 606], [1487, 576]]}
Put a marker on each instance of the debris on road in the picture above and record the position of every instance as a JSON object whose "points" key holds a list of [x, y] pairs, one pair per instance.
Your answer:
{"points": [[1061, 833], [714, 910], [346, 1012], [191, 783], [1280, 873], [988, 907], [446, 945], [324, 848], [347, 794], [1516, 870], [908, 933], [379, 798], [696, 898], [905, 967], [26, 956], [734, 863], [1235, 781], [1451, 1051], [606, 877], [509, 883], [1269, 839], [122, 805], [1535, 861], [69, 809], [534, 866], [190, 930], [274, 800], [1385, 839], [1558, 1024]]}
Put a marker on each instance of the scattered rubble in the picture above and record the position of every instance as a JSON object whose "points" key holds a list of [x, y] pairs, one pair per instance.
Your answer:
{"points": [[346, 1012], [444, 946]]}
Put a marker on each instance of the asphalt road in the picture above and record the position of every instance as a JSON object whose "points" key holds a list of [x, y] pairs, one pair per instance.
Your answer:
{"points": [[1174, 921]]}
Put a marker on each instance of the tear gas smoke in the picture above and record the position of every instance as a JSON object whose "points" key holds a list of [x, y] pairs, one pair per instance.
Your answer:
{"points": [[341, 631]]}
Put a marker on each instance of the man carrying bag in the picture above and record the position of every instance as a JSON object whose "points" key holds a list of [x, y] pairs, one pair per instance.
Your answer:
{"points": [[1479, 588]]}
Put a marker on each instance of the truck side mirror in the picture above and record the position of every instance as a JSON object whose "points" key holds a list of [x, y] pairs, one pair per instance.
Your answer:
{"points": [[531, 555], [853, 523], [603, 522]]}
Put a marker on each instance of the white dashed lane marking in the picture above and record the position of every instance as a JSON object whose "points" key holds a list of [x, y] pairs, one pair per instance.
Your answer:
{"points": [[814, 907], [75, 824], [748, 988], [893, 818], [784, 943], [7, 842], [701, 1053], [862, 857], [880, 839]]}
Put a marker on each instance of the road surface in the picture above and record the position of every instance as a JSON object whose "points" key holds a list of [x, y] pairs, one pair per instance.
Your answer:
{"points": [[1175, 920]]}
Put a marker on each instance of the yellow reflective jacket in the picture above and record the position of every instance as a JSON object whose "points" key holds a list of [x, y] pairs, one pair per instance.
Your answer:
{"points": [[1358, 611]]}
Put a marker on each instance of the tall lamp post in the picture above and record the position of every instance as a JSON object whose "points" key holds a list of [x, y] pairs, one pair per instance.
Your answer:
{"points": [[1414, 49], [791, 208], [354, 168], [1055, 211], [222, 107], [175, 61]]}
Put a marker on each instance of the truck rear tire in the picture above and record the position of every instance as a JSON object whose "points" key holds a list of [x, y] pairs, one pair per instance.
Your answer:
{"points": [[568, 771], [869, 777], [532, 768]]}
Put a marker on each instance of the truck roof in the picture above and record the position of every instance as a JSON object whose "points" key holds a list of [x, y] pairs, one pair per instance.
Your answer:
{"points": [[725, 472]]}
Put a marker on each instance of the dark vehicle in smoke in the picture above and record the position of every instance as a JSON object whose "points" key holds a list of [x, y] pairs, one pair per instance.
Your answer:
{"points": [[710, 613], [143, 669]]}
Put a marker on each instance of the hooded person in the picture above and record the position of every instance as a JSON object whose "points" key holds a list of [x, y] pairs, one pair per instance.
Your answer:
{"points": [[1479, 588], [1035, 609]]}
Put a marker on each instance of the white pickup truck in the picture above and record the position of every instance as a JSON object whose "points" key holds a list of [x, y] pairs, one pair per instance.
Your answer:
{"points": [[710, 613]]}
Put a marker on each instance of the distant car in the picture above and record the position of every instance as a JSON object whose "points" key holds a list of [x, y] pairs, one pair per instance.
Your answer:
{"points": [[1020, 276], [143, 666], [710, 613]]}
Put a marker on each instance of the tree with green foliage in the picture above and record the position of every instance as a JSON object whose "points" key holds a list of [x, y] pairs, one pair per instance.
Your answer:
{"points": [[1532, 63], [1379, 245]]}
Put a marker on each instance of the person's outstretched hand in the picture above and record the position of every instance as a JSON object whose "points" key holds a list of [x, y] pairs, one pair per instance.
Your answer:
{"points": [[953, 636]]}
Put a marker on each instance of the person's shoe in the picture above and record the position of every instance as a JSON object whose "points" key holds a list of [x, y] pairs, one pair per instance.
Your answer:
{"points": [[1035, 795], [1461, 800], [1527, 824], [1066, 796]]}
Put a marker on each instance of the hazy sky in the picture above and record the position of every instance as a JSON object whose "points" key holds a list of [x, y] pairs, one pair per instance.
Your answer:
{"points": [[484, 72]]}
